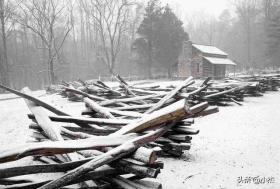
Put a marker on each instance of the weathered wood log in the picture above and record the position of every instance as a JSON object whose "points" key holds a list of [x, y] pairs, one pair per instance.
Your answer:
{"points": [[132, 99], [139, 170], [174, 112], [129, 184], [49, 168], [36, 101], [181, 138], [163, 140], [125, 113], [149, 184], [203, 86], [207, 111], [135, 158], [135, 107], [90, 96], [122, 165], [39, 136], [62, 147], [145, 155], [179, 146], [13, 181], [98, 173], [107, 112], [188, 121], [224, 92], [174, 153], [99, 109], [75, 135], [52, 132], [125, 85], [79, 119], [187, 95], [236, 102], [186, 130], [108, 157], [157, 164], [118, 182], [39, 102], [133, 166], [108, 88], [90, 131], [170, 95], [43, 120]]}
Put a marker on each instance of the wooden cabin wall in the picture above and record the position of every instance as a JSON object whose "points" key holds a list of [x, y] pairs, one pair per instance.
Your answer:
{"points": [[219, 71], [208, 69]]}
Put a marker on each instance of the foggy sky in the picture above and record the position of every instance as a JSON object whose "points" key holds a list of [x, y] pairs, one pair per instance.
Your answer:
{"points": [[188, 7]]}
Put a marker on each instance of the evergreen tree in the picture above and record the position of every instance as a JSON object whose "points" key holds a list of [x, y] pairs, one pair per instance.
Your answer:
{"points": [[148, 31], [169, 40], [161, 37]]}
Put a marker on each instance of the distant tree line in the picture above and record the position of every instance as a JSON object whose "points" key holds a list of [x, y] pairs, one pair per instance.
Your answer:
{"points": [[249, 32], [45, 41]]}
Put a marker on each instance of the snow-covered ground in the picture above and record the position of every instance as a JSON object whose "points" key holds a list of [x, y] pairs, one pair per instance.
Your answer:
{"points": [[237, 141]]}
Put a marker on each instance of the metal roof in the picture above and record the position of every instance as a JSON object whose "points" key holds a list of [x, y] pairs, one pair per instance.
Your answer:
{"points": [[220, 61], [209, 49]]}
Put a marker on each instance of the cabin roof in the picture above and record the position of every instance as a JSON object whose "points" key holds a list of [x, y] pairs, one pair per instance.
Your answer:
{"points": [[220, 61], [209, 49]]}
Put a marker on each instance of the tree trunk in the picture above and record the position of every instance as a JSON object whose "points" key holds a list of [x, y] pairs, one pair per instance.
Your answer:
{"points": [[4, 66], [112, 65], [51, 67], [169, 71], [249, 44], [150, 59]]}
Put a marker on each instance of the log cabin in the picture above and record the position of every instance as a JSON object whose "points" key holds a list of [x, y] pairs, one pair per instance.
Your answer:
{"points": [[202, 61]]}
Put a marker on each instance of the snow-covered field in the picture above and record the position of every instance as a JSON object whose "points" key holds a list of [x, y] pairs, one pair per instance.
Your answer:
{"points": [[239, 141]]}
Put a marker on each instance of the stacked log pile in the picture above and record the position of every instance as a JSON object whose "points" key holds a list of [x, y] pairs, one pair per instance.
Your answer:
{"points": [[218, 92], [114, 143], [266, 82], [235, 89], [121, 131], [127, 103]]}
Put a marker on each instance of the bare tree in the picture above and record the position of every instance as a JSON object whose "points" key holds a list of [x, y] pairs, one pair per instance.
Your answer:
{"points": [[269, 7], [202, 28], [247, 11], [5, 14], [109, 17], [135, 19], [46, 19]]}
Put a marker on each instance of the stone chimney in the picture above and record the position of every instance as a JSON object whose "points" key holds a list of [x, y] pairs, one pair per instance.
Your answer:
{"points": [[184, 66]]}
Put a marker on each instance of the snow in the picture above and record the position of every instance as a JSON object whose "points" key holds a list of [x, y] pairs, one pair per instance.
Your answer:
{"points": [[237, 141], [9, 96], [209, 49], [219, 61]]}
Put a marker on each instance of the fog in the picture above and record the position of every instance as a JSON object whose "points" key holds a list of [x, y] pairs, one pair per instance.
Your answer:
{"points": [[44, 42]]}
